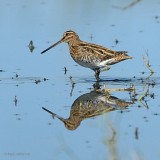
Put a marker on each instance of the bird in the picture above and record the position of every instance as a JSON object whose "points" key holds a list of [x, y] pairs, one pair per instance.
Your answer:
{"points": [[89, 55]]}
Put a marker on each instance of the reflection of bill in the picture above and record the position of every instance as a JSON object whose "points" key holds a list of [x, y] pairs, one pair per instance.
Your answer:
{"points": [[90, 105]]}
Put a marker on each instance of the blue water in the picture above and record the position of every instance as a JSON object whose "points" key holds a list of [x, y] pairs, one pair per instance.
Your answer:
{"points": [[30, 81]]}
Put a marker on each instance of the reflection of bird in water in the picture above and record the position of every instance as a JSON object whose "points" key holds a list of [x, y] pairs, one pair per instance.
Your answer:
{"points": [[90, 105]]}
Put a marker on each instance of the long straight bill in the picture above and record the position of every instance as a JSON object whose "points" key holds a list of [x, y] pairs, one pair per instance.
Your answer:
{"points": [[51, 47], [53, 114], [48, 111]]}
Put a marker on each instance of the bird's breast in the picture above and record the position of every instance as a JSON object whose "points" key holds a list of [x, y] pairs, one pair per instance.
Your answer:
{"points": [[84, 58]]}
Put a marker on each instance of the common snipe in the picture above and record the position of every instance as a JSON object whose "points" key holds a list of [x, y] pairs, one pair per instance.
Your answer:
{"points": [[90, 55], [90, 105]]}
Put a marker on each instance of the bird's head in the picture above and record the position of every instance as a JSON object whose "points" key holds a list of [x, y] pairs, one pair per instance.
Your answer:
{"points": [[68, 37]]}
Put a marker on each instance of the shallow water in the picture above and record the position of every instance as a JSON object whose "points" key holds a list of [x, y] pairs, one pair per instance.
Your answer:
{"points": [[125, 127]]}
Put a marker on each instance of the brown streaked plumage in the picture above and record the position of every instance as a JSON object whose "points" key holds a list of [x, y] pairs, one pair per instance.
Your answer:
{"points": [[90, 55], [90, 105]]}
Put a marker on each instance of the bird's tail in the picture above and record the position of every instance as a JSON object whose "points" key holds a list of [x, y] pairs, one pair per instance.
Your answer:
{"points": [[123, 55]]}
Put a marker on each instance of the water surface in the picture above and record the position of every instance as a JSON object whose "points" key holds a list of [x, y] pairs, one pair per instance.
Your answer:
{"points": [[30, 81]]}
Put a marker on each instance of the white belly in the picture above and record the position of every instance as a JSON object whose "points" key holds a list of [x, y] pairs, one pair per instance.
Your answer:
{"points": [[91, 65]]}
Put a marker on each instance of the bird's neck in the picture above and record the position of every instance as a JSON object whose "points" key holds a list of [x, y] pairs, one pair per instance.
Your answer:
{"points": [[74, 42]]}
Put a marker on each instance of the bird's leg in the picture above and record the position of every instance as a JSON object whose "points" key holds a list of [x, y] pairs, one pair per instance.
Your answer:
{"points": [[96, 86], [97, 73], [106, 68]]}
